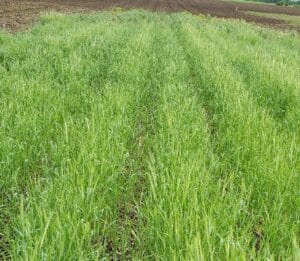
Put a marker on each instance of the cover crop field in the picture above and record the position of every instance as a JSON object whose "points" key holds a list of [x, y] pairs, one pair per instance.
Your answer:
{"points": [[145, 136]]}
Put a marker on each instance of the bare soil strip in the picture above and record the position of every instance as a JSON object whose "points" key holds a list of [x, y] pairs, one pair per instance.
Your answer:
{"points": [[15, 14]]}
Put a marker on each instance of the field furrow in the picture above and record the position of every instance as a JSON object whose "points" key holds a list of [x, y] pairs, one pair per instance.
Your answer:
{"points": [[179, 165], [256, 157], [272, 75], [133, 135]]}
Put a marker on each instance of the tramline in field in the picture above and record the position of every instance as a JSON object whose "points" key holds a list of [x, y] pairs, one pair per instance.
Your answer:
{"points": [[138, 135]]}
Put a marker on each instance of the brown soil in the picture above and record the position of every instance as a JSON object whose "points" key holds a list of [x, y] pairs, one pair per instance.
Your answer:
{"points": [[14, 14]]}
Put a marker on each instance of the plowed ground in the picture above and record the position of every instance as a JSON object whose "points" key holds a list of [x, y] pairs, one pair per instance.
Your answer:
{"points": [[15, 14]]}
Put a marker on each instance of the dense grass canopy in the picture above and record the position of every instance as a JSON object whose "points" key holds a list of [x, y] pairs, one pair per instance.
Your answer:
{"points": [[149, 136]]}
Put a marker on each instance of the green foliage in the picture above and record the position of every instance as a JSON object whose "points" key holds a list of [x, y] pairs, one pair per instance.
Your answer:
{"points": [[137, 135], [283, 2], [278, 2]]}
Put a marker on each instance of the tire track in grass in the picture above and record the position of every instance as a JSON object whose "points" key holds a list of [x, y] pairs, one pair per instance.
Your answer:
{"points": [[42, 231], [150, 99], [209, 244], [269, 73], [120, 242], [283, 44], [274, 86], [262, 165], [270, 76], [179, 163], [146, 66]]}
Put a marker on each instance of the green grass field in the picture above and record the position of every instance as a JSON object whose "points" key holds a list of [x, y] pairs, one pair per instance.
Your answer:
{"points": [[144, 136]]}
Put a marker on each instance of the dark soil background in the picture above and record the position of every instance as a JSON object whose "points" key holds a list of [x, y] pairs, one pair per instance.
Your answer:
{"points": [[16, 14]]}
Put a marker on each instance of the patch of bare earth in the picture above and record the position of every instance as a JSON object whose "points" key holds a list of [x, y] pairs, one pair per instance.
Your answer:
{"points": [[15, 14]]}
